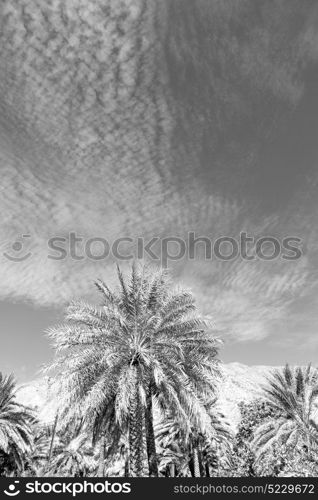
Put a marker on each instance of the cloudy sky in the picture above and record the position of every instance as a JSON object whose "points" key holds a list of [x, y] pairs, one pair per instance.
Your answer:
{"points": [[140, 119]]}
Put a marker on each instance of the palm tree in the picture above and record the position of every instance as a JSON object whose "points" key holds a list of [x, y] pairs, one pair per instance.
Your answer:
{"points": [[68, 444], [216, 447], [73, 458], [292, 392], [104, 429], [38, 459], [145, 341], [15, 425], [190, 450], [173, 446]]}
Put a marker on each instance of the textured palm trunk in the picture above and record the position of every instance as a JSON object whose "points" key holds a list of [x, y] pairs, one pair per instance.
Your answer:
{"points": [[202, 461], [207, 471], [196, 463], [172, 469], [202, 465], [101, 462], [309, 445], [126, 467], [135, 428], [191, 466], [52, 440], [150, 437]]}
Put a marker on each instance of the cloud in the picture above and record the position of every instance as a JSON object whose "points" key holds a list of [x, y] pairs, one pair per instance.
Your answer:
{"points": [[145, 118]]}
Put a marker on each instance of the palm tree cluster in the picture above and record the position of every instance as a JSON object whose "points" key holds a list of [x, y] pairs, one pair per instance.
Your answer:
{"points": [[138, 380]]}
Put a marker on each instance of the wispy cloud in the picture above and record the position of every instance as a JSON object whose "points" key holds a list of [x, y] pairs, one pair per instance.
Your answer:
{"points": [[147, 118]]}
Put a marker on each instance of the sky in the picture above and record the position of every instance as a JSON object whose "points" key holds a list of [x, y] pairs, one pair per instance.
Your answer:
{"points": [[141, 119]]}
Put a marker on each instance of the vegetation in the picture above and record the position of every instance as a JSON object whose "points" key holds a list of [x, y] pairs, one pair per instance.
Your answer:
{"points": [[293, 393], [138, 379], [15, 428]]}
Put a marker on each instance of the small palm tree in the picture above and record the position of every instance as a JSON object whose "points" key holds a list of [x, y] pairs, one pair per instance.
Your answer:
{"points": [[105, 429], [190, 450], [145, 341], [292, 392], [214, 447], [15, 425], [173, 450], [38, 458], [45, 440], [69, 451], [72, 459]]}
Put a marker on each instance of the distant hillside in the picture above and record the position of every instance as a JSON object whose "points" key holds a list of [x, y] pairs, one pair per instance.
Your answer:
{"points": [[239, 383], [37, 394]]}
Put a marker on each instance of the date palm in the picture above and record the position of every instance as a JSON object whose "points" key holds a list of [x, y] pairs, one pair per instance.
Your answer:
{"points": [[292, 392], [188, 444], [38, 458], [107, 436], [15, 425], [216, 449], [145, 341], [72, 458]]}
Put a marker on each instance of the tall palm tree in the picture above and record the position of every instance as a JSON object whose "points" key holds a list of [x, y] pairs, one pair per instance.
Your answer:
{"points": [[145, 341], [15, 424], [292, 392]]}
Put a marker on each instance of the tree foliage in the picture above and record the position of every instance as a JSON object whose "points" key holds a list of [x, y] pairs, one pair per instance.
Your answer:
{"points": [[15, 428]]}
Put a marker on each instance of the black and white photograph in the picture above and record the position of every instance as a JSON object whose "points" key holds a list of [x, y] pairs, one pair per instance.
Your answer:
{"points": [[158, 243]]}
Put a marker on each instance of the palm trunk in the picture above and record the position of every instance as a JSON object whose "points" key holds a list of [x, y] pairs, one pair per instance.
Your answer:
{"points": [[150, 437], [135, 428], [202, 466], [172, 468], [191, 465], [126, 473], [52, 440], [196, 463], [202, 462], [101, 462], [207, 471]]}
